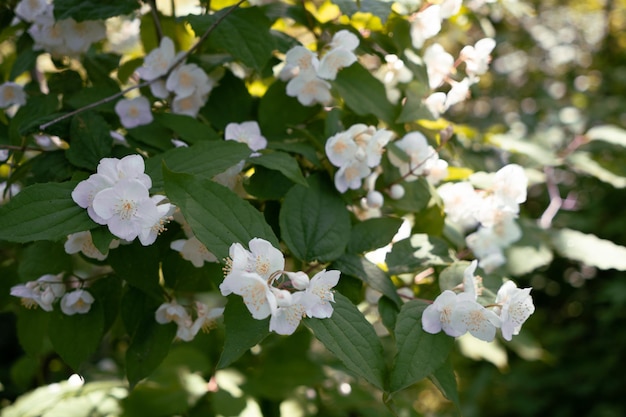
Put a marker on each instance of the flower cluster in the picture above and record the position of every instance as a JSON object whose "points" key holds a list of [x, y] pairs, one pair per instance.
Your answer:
{"points": [[257, 275], [65, 37], [459, 313], [189, 84], [49, 288], [188, 327], [392, 73], [493, 210], [423, 159], [117, 195], [308, 75], [355, 151]]}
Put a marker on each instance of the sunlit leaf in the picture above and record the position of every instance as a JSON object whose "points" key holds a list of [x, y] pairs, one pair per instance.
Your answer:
{"points": [[589, 249]]}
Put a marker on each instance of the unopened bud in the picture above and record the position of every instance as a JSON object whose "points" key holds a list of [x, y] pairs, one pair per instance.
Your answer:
{"points": [[396, 191], [375, 199]]}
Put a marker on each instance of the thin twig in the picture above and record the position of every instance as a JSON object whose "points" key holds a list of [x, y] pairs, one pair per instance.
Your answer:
{"points": [[180, 60], [157, 21]]}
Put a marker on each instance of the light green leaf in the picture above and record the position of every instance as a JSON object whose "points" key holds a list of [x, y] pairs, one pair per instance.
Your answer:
{"points": [[359, 267], [540, 154], [380, 8], [525, 258], [419, 353], [608, 133], [372, 234], [282, 162], [149, 345], [81, 10], [90, 141], [314, 221], [204, 160], [217, 216], [352, 339], [363, 93], [589, 249], [43, 212], [583, 162], [241, 331], [417, 252], [414, 107], [75, 338], [245, 34]]}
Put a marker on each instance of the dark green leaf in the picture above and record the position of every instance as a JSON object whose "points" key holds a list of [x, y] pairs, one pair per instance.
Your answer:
{"points": [[217, 216], [102, 238], [27, 118], [44, 257], [274, 122], [419, 353], [445, 380], [363, 93], [75, 338], [267, 184], [81, 10], [185, 127], [379, 8], [372, 234], [282, 162], [204, 160], [148, 347], [372, 275], [245, 34], [43, 212], [136, 306], [388, 311], [90, 141], [314, 221], [138, 265], [352, 339], [229, 102], [241, 331], [108, 292], [32, 329]]}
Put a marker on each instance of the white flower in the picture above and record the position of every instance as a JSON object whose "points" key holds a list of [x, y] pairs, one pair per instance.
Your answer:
{"points": [[83, 242], [415, 146], [158, 61], [189, 79], [43, 292], [29, 10], [516, 305], [341, 148], [477, 57], [129, 167], [461, 203], [450, 7], [309, 89], [350, 175], [189, 105], [246, 132], [79, 36], [392, 73], [193, 251], [298, 59], [153, 221], [124, 207], [320, 287], [509, 186], [289, 312], [255, 291], [299, 280], [436, 103], [340, 55], [459, 92], [262, 259], [134, 112], [439, 64], [469, 316], [438, 316], [11, 93], [206, 318], [171, 312], [425, 25], [76, 302]]}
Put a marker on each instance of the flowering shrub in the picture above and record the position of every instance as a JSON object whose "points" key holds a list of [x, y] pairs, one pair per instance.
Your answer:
{"points": [[289, 172]]}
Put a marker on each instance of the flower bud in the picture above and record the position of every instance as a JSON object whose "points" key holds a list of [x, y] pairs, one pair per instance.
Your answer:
{"points": [[375, 199], [396, 191]]}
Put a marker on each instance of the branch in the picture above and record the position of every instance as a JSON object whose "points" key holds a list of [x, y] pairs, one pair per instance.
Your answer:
{"points": [[155, 18], [180, 60]]}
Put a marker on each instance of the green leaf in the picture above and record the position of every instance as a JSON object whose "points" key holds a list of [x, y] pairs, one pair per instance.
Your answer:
{"points": [[417, 196], [352, 339], [75, 338], [582, 161], [102, 238], [43, 212], [419, 353], [204, 160], [414, 108], [149, 345], [380, 8], [372, 275], [282, 162], [90, 140], [267, 184], [41, 258], [185, 127], [217, 216], [32, 329], [388, 311], [445, 380], [372, 234], [245, 34], [589, 249], [241, 331], [291, 113], [81, 10], [364, 94], [107, 292], [138, 265], [416, 252], [136, 305], [29, 116], [608, 133], [229, 102], [314, 221]]}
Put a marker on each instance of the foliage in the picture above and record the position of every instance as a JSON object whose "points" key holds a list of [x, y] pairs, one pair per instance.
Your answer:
{"points": [[246, 152]]}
